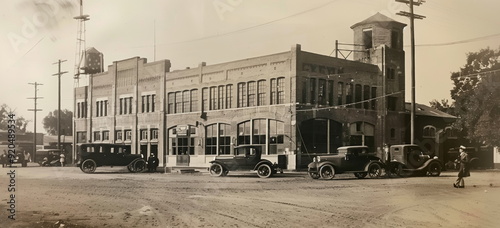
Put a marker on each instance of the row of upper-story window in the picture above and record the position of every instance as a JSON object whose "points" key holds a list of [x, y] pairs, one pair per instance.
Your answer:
{"points": [[148, 104], [120, 135], [248, 94], [325, 92]]}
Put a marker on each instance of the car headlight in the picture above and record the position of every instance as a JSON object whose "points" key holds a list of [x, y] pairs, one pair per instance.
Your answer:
{"points": [[317, 159]]}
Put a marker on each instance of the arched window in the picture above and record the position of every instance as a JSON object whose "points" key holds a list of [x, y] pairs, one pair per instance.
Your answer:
{"points": [[450, 133], [181, 140], [211, 139], [244, 133], [429, 131], [276, 134], [218, 139]]}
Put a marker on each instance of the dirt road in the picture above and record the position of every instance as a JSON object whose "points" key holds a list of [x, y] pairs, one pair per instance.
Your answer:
{"points": [[66, 197]]}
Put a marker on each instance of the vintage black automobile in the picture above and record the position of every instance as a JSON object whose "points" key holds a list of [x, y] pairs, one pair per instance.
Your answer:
{"points": [[409, 159], [93, 155], [247, 157], [348, 159]]}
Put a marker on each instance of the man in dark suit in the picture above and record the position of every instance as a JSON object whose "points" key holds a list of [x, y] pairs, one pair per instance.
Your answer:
{"points": [[152, 163], [463, 171]]}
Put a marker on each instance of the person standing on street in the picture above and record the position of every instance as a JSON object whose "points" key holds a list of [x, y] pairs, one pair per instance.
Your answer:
{"points": [[62, 159], [463, 171], [4, 158], [152, 163]]}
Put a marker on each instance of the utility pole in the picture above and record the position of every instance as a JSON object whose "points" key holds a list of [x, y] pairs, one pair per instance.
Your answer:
{"points": [[59, 101], [412, 17], [36, 84]]}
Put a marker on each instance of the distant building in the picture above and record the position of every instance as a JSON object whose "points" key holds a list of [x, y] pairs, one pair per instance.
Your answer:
{"points": [[23, 142], [295, 102]]}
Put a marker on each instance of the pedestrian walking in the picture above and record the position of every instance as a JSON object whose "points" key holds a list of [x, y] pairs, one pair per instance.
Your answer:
{"points": [[4, 158], [463, 171]]}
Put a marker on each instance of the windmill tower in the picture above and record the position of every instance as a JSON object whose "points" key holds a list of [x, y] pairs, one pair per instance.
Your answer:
{"points": [[80, 52]]}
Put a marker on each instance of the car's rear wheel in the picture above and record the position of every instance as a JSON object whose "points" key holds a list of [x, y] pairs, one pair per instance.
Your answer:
{"points": [[139, 166], [360, 175], [264, 171], [434, 169], [313, 175], [374, 170], [88, 166], [217, 170], [394, 170], [327, 172]]}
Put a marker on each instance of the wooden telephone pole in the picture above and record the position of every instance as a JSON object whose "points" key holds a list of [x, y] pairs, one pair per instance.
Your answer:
{"points": [[36, 84], [59, 101], [412, 17]]}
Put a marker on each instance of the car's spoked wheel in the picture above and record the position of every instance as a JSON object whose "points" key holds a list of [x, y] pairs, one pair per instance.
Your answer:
{"points": [[139, 166], [327, 172], [392, 170], [374, 170], [131, 168], [264, 171], [88, 166], [216, 170], [434, 169], [313, 175], [360, 175]]}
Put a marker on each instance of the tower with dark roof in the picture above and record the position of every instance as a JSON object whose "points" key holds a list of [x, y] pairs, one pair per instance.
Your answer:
{"points": [[382, 44]]}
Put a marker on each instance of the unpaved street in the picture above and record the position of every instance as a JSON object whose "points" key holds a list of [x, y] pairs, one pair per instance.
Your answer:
{"points": [[49, 197]]}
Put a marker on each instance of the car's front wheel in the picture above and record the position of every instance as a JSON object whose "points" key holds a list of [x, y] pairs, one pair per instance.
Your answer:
{"points": [[312, 174], [217, 170], [139, 166], [327, 172], [88, 166], [434, 169], [374, 170], [264, 171]]}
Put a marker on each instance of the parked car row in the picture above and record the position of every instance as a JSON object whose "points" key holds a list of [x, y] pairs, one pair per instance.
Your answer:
{"points": [[398, 160]]}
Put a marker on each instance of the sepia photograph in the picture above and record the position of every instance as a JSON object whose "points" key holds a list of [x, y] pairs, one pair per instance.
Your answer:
{"points": [[249, 113]]}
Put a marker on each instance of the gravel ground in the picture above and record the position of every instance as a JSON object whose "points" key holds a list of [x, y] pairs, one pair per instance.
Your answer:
{"points": [[112, 197]]}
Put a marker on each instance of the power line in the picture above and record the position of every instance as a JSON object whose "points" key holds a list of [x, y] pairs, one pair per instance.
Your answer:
{"points": [[247, 28], [478, 74], [457, 42], [349, 104]]}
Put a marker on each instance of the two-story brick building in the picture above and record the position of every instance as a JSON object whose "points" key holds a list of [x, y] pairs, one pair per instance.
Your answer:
{"points": [[295, 102]]}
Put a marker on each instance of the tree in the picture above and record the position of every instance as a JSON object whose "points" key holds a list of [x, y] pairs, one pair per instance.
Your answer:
{"points": [[5, 111], [476, 93], [443, 106], [50, 122]]}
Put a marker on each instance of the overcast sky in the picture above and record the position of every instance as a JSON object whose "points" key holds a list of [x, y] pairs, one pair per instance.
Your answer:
{"points": [[37, 33]]}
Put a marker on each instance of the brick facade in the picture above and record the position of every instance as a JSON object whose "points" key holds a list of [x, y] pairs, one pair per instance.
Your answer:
{"points": [[295, 103]]}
